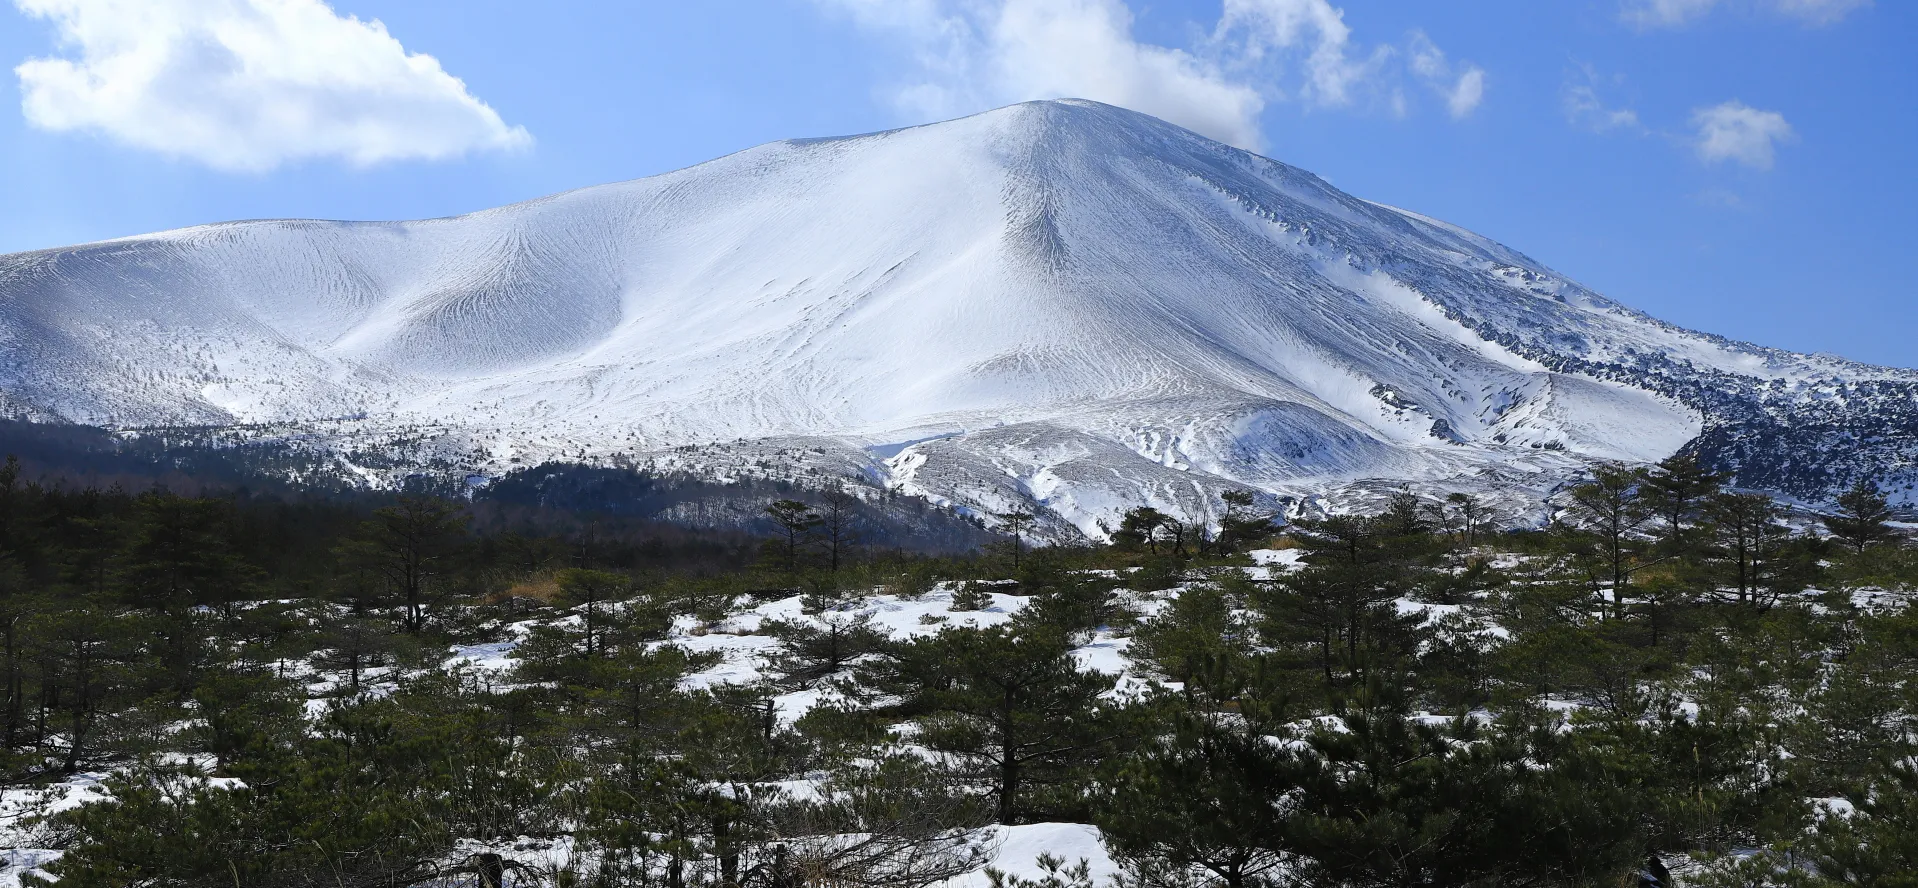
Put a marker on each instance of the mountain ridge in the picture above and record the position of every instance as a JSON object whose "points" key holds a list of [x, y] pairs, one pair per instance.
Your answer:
{"points": [[1056, 304]]}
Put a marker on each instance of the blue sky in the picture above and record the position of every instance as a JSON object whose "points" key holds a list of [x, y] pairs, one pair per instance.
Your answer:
{"points": [[1737, 166]]}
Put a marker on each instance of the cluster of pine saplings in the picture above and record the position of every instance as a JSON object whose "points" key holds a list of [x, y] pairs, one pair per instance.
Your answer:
{"points": [[1669, 684]]}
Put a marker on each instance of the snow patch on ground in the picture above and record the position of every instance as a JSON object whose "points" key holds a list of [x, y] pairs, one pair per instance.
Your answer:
{"points": [[1019, 848]]}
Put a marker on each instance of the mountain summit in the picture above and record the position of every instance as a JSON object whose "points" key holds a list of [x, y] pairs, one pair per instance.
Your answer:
{"points": [[1058, 303]]}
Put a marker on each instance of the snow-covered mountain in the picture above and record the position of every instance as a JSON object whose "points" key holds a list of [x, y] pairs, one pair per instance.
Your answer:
{"points": [[1057, 302]]}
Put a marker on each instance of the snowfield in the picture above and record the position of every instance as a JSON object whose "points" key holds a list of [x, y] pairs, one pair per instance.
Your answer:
{"points": [[1060, 305]]}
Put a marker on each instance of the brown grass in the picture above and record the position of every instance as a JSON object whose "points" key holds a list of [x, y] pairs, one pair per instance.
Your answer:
{"points": [[540, 589]]}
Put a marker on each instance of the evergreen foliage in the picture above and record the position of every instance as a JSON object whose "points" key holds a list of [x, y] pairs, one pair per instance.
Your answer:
{"points": [[1013, 708], [1674, 676], [1861, 516]]}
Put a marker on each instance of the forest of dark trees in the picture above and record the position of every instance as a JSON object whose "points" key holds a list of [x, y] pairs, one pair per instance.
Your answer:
{"points": [[1668, 683]]}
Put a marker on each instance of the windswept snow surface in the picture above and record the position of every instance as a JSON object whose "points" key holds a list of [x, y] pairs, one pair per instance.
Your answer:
{"points": [[1061, 303]]}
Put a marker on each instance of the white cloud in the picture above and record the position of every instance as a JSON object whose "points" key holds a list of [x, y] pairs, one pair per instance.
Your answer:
{"points": [[1664, 13], [1585, 108], [1463, 88], [1719, 198], [1678, 13], [1819, 12], [975, 54], [1467, 94], [250, 84], [1738, 132], [1269, 27], [1084, 48]]}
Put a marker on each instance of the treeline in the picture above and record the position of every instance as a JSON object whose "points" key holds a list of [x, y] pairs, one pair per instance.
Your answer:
{"points": [[1668, 675]]}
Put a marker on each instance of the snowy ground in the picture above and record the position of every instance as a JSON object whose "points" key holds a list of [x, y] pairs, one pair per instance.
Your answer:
{"points": [[18, 809], [742, 658], [1019, 847]]}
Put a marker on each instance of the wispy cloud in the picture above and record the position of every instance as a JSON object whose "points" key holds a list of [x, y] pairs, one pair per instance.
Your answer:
{"points": [[1819, 12], [1737, 132], [1461, 86], [968, 55], [1664, 13], [1719, 198], [250, 84], [973, 56], [1262, 30], [1679, 13], [1728, 131], [1586, 109]]}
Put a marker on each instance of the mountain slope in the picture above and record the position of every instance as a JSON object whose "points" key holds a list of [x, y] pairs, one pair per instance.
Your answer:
{"points": [[1057, 301]]}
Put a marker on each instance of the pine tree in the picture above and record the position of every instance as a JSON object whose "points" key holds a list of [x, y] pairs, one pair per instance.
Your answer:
{"points": [[796, 522], [529, 554], [1015, 704], [1404, 515], [1751, 547], [18, 606], [1060, 599], [971, 596], [410, 546], [1386, 800], [1016, 523], [1861, 516], [1679, 491], [633, 698], [1147, 528], [364, 800], [1199, 642], [1877, 844], [1201, 797], [1339, 620], [1352, 539], [1242, 527], [12, 492], [1612, 509], [642, 822], [178, 555], [246, 712], [1860, 710], [812, 651], [839, 528], [88, 650], [1464, 517], [353, 645], [588, 591]]}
